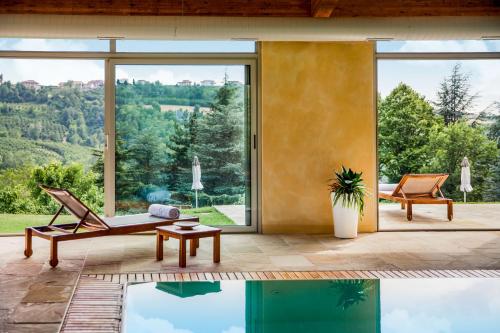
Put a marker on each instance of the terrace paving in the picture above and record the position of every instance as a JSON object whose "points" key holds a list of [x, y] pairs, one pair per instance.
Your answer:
{"points": [[433, 217], [34, 296]]}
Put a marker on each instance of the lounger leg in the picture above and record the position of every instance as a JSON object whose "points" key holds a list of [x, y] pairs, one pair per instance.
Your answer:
{"points": [[159, 246], [53, 252], [28, 236], [402, 205], [409, 211], [217, 247], [192, 247], [182, 252], [450, 210]]}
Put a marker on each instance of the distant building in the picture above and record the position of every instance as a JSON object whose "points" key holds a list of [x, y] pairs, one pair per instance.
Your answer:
{"points": [[122, 81], [237, 83], [31, 84], [94, 84], [141, 82], [72, 84], [207, 83], [184, 83]]}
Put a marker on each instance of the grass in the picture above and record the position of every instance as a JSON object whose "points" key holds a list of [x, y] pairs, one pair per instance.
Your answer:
{"points": [[209, 216], [15, 223]]}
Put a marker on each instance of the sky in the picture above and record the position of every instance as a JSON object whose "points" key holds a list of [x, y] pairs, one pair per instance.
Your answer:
{"points": [[51, 72], [423, 75]]}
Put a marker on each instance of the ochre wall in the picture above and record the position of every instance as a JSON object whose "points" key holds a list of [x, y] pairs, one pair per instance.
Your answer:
{"points": [[317, 113]]}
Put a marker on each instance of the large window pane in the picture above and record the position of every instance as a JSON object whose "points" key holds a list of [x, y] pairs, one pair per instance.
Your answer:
{"points": [[168, 114], [439, 46], [431, 115], [51, 132], [40, 44], [185, 46]]}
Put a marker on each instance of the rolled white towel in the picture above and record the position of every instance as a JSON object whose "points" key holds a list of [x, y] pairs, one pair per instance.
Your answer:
{"points": [[387, 187], [168, 212]]}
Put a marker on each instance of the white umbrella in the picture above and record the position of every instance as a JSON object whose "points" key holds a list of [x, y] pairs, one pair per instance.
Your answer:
{"points": [[465, 178], [196, 178]]}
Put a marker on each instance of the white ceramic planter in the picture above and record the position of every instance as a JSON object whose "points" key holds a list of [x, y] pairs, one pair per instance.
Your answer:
{"points": [[345, 220]]}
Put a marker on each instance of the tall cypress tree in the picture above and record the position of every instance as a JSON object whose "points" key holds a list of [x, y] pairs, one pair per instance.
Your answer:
{"points": [[220, 143], [455, 99]]}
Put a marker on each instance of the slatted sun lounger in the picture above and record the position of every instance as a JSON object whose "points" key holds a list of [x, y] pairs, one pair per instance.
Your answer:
{"points": [[419, 189], [90, 225]]}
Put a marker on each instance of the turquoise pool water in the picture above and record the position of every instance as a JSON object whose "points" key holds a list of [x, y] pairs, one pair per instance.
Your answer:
{"points": [[350, 306]]}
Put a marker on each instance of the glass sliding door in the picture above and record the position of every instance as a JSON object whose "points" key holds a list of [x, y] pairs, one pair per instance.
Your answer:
{"points": [[167, 117]]}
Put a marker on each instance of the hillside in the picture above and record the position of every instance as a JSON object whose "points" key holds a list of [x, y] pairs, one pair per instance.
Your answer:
{"points": [[19, 152]]}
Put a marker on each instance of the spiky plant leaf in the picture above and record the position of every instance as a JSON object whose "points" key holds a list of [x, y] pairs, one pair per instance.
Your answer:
{"points": [[349, 189]]}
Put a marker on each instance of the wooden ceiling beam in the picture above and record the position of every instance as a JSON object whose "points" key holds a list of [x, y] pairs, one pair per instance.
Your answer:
{"points": [[322, 8], [255, 8]]}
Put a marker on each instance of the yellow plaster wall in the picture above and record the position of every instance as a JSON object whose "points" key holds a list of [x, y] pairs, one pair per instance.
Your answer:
{"points": [[317, 113]]}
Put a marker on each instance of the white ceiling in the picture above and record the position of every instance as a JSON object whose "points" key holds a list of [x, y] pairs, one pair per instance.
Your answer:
{"points": [[221, 28]]}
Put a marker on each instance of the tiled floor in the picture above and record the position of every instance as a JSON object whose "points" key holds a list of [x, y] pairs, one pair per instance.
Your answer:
{"points": [[433, 217], [34, 296]]}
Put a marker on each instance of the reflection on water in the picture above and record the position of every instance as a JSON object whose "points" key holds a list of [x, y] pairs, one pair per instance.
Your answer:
{"points": [[388, 306]]}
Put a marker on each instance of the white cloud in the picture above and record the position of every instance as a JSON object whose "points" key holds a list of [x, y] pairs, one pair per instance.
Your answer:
{"points": [[28, 44], [234, 329], [444, 46], [400, 321], [51, 72], [136, 323]]}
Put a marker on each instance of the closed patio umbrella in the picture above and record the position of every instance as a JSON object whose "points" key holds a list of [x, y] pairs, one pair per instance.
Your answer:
{"points": [[196, 178], [465, 185]]}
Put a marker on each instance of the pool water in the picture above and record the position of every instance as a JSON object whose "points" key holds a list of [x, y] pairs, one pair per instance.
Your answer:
{"points": [[350, 306]]}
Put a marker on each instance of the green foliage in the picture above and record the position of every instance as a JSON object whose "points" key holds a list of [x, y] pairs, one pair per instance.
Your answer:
{"points": [[405, 121], [454, 97], [155, 149], [353, 292], [220, 144], [492, 183], [348, 188], [19, 152], [448, 146], [71, 177]]}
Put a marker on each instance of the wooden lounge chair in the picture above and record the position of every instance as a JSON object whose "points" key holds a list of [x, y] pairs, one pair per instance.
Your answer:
{"points": [[419, 189], [90, 224]]}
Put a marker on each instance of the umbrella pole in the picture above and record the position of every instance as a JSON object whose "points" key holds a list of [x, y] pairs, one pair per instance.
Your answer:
{"points": [[465, 196], [196, 196]]}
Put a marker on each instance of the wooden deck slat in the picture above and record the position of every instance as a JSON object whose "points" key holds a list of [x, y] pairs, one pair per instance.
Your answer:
{"points": [[97, 301]]}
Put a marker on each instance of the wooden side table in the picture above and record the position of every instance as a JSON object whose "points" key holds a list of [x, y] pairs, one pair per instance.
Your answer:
{"points": [[194, 235]]}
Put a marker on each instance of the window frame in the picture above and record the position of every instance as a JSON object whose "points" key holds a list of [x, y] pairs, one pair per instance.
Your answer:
{"points": [[113, 58], [416, 56]]}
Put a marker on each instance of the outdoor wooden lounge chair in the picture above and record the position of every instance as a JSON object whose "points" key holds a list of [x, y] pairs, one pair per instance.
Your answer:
{"points": [[419, 189], [90, 224]]}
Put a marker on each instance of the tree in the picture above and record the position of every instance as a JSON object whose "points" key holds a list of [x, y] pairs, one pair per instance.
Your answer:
{"points": [[179, 166], [492, 183], [72, 177], [220, 144], [405, 121], [454, 100], [449, 145]]}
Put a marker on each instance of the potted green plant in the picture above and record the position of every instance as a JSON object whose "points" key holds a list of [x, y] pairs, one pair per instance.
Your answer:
{"points": [[347, 193]]}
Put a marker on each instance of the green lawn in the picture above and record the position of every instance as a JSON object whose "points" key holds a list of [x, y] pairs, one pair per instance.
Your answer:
{"points": [[15, 223]]}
